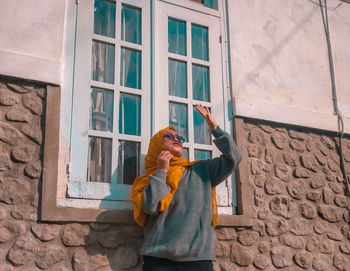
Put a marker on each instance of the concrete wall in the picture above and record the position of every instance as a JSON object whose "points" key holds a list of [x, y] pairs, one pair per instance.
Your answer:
{"points": [[280, 67], [31, 39]]}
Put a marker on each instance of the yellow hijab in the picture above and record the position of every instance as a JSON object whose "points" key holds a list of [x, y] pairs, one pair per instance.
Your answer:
{"points": [[176, 168]]}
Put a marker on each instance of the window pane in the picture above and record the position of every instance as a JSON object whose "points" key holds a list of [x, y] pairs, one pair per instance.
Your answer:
{"points": [[177, 37], [131, 24], [102, 62], [130, 114], [200, 83], [202, 155], [100, 157], [128, 162], [177, 78], [185, 153], [104, 18], [200, 42], [202, 134], [101, 110], [178, 118], [211, 4], [130, 68]]}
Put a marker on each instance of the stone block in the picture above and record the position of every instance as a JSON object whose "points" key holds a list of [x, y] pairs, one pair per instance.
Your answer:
{"points": [[280, 141], [7, 97], [281, 256], [273, 186], [45, 232], [303, 259], [282, 206], [19, 114], [33, 103], [261, 262], [24, 212], [297, 146], [32, 133], [328, 196], [10, 135], [123, 257], [19, 88], [308, 210], [33, 169], [299, 226], [290, 159], [321, 262], [248, 237], [5, 162], [282, 172], [341, 263], [241, 256], [75, 235], [296, 190], [329, 213], [48, 255], [309, 161], [300, 172], [14, 191], [23, 153], [314, 196], [276, 227]]}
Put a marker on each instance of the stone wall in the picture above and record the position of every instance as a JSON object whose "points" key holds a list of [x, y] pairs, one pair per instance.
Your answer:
{"points": [[300, 213]]}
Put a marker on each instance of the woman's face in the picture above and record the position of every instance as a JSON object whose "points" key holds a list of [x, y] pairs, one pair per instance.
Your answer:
{"points": [[173, 145]]}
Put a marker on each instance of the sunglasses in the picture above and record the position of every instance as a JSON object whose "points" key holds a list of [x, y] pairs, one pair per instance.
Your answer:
{"points": [[174, 137]]}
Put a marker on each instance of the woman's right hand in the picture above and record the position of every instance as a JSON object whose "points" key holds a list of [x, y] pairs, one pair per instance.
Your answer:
{"points": [[163, 160]]}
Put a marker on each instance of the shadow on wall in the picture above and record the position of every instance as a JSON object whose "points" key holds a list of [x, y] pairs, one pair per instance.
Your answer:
{"points": [[110, 246]]}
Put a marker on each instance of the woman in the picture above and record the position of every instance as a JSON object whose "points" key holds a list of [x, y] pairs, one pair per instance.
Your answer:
{"points": [[175, 201]]}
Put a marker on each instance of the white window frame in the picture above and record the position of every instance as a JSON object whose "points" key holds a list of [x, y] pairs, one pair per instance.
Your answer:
{"points": [[219, 103], [78, 186]]}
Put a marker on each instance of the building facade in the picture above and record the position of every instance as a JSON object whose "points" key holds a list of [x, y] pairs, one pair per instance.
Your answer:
{"points": [[85, 83]]}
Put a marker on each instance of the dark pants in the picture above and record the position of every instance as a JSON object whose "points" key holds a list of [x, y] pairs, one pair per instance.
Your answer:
{"points": [[159, 264]]}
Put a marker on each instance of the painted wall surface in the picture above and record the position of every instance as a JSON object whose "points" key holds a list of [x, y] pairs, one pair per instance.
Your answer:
{"points": [[279, 58], [31, 39]]}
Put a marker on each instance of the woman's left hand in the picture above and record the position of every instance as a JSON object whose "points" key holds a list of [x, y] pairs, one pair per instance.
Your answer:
{"points": [[204, 111]]}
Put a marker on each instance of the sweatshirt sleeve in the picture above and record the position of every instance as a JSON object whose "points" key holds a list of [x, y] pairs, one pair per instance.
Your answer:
{"points": [[156, 190], [221, 167]]}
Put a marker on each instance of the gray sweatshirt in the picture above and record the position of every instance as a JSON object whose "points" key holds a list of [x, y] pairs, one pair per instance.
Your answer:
{"points": [[184, 232]]}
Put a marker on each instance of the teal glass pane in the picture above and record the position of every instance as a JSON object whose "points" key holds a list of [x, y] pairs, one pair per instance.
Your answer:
{"points": [[130, 114], [177, 78], [202, 134], [177, 37], [101, 110], [211, 4], [99, 160], [128, 161], [102, 62], [200, 83], [131, 24], [178, 119], [202, 155], [104, 18], [200, 42], [185, 153], [130, 68]]}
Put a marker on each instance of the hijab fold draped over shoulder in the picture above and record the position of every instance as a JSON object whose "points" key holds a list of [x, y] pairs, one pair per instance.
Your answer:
{"points": [[177, 166]]}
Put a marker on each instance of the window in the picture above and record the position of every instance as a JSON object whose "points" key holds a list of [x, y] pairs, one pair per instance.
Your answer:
{"points": [[111, 98], [124, 91]]}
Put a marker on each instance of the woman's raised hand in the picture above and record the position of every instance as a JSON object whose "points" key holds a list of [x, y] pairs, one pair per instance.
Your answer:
{"points": [[204, 111]]}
